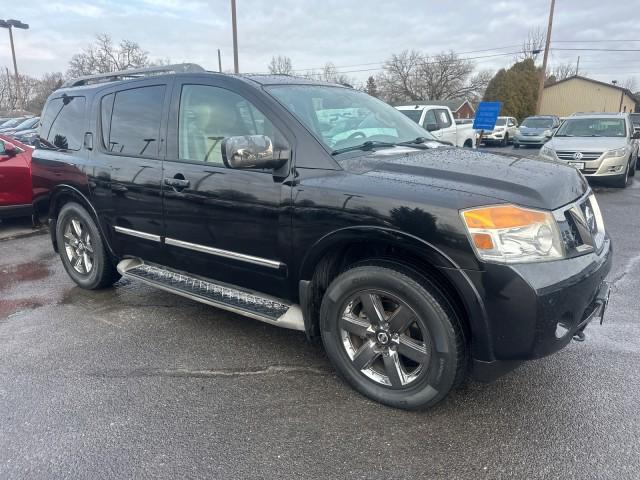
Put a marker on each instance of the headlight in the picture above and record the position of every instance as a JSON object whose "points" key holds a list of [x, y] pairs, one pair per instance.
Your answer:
{"points": [[547, 151], [619, 152], [512, 234], [547, 133]]}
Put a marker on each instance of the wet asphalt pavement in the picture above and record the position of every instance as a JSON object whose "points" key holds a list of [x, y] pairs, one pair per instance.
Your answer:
{"points": [[131, 382]]}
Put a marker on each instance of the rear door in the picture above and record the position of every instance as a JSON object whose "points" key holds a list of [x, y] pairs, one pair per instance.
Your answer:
{"points": [[129, 155], [15, 178], [229, 225]]}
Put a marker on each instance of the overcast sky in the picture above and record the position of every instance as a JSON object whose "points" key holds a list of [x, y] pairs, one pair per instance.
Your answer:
{"points": [[354, 35]]}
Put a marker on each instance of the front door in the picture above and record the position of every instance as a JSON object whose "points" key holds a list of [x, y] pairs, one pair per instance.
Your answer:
{"points": [[229, 225]]}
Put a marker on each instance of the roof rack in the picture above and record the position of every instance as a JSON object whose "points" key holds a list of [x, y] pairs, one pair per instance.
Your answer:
{"points": [[133, 73]]}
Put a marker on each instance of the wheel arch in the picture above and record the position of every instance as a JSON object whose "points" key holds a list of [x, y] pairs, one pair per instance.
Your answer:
{"points": [[63, 194], [336, 252]]}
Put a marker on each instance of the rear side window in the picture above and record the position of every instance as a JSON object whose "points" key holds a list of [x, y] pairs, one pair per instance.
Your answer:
{"points": [[135, 121], [62, 124]]}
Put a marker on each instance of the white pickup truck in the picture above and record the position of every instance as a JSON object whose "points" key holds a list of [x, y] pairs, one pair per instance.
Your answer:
{"points": [[439, 121]]}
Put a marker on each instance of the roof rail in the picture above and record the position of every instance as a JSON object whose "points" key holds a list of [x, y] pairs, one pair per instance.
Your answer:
{"points": [[133, 73]]}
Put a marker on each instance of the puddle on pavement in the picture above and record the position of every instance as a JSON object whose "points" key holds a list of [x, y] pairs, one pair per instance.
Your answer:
{"points": [[24, 272], [11, 308]]}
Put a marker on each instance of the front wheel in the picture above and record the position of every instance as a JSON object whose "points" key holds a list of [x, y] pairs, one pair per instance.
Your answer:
{"points": [[622, 180], [505, 141], [82, 250], [392, 336]]}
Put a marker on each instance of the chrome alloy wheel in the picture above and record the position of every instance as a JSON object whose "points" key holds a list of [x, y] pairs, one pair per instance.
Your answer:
{"points": [[77, 245], [383, 339]]}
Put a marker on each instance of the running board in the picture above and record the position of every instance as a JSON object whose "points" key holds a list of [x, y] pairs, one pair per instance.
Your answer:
{"points": [[250, 304]]}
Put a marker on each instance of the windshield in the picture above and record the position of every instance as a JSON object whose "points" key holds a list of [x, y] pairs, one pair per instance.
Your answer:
{"points": [[342, 118], [533, 122], [501, 122], [412, 114], [592, 127]]}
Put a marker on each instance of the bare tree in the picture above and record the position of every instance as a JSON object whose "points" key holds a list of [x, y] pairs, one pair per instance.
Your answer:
{"points": [[411, 76], [33, 91], [329, 73], [562, 71], [280, 65], [533, 45], [631, 84], [103, 57]]}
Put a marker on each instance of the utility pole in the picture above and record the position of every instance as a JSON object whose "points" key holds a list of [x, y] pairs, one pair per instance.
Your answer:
{"points": [[219, 62], [543, 73], [234, 26], [578, 65], [10, 24]]}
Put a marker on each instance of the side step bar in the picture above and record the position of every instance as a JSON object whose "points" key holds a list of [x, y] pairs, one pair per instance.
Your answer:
{"points": [[227, 297]]}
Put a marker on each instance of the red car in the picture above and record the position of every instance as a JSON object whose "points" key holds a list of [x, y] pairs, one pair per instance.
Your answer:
{"points": [[16, 192]]}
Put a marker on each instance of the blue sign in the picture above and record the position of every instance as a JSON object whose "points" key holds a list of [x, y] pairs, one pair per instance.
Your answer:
{"points": [[486, 115]]}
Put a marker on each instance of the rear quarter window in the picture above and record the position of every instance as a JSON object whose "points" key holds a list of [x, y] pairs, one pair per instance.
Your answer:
{"points": [[62, 124]]}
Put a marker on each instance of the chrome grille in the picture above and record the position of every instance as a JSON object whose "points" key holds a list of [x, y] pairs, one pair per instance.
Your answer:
{"points": [[586, 156], [581, 225]]}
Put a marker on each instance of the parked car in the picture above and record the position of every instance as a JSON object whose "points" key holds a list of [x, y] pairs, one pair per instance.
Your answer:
{"points": [[12, 123], [26, 124], [318, 208], [464, 121], [4, 120], [28, 137], [15, 178], [635, 120], [439, 121], [503, 133], [601, 145], [536, 131]]}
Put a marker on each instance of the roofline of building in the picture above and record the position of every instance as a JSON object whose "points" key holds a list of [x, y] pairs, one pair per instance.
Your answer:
{"points": [[598, 82]]}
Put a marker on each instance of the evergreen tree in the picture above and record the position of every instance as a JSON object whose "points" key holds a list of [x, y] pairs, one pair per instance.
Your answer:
{"points": [[371, 87], [516, 88]]}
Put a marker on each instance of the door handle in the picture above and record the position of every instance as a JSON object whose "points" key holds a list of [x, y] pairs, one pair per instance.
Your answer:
{"points": [[177, 183]]}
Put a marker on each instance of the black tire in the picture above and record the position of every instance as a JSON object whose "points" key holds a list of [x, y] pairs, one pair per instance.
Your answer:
{"points": [[516, 145], [468, 144], [633, 168], [433, 317], [100, 271], [505, 140]]}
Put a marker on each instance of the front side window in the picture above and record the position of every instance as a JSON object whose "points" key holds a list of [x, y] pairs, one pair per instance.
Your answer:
{"points": [[208, 115], [592, 127], [135, 121], [342, 117], [62, 124], [430, 119]]}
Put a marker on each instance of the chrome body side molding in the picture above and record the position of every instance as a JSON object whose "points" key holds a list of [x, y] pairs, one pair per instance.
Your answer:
{"points": [[265, 262], [137, 233]]}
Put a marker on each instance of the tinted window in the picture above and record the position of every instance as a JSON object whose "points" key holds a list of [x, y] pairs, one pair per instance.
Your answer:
{"points": [[135, 121], [210, 114], [62, 124], [106, 108]]}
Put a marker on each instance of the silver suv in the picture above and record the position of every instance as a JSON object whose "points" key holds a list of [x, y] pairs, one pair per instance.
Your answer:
{"points": [[600, 145]]}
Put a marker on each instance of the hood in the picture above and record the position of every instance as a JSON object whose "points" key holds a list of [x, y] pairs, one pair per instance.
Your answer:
{"points": [[587, 144], [499, 177]]}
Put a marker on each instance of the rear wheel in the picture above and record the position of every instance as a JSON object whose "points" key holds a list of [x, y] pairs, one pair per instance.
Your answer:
{"points": [[82, 250], [393, 338], [516, 145]]}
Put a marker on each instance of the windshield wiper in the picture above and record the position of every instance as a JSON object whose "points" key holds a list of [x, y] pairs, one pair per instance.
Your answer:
{"points": [[368, 145], [420, 141]]}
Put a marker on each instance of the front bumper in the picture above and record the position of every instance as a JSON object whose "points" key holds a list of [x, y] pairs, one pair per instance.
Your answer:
{"points": [[530, 139], [534, 310]]}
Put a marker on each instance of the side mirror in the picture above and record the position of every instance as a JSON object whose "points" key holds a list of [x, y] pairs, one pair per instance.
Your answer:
{"points": [[432, 127], [250, 151]]}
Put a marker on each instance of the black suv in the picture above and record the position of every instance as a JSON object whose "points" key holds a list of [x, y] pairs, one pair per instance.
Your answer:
{"points": [[316, 207]]}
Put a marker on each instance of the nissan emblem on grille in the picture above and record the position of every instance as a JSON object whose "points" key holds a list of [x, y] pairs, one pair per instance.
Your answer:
{"points": [[577, 156]]}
